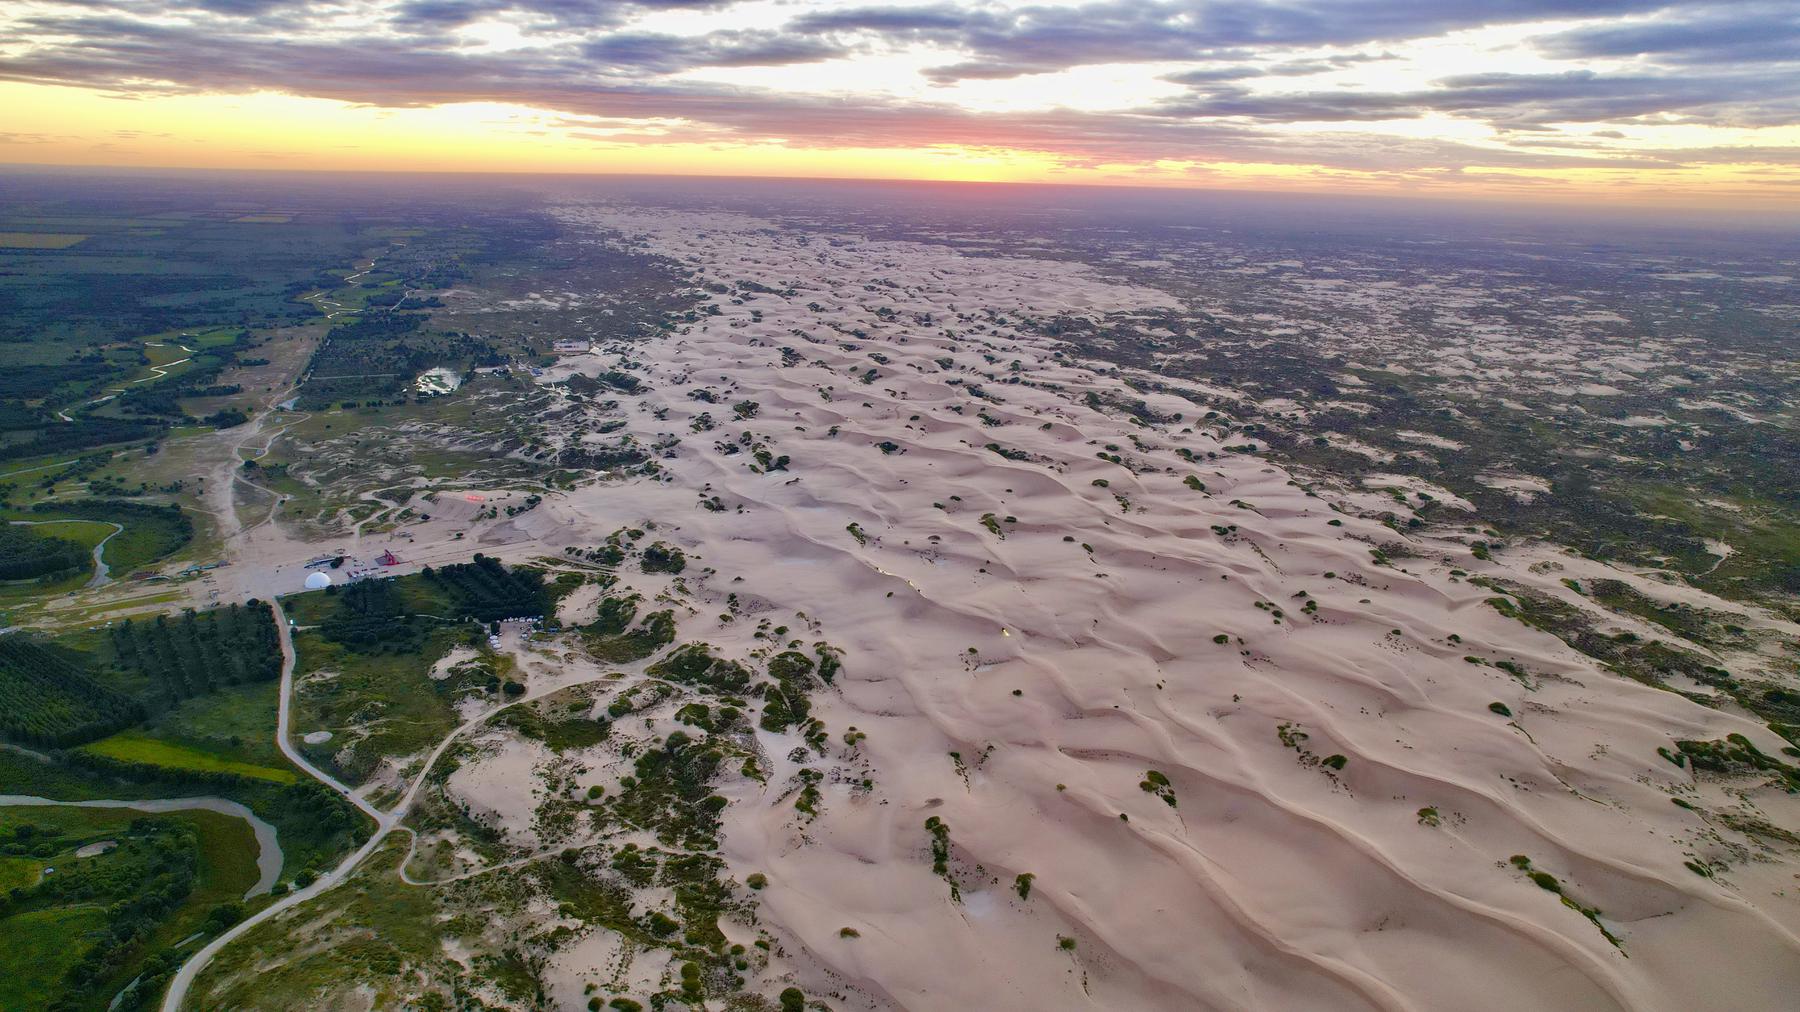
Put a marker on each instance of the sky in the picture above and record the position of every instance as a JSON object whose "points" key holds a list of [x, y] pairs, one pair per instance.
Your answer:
{"points": [[1594, 101]]}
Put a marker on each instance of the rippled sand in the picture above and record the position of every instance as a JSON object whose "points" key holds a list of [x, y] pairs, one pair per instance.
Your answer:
{"points": [[1019, 688]]}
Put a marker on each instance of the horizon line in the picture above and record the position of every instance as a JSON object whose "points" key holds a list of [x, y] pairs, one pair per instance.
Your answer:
{"points": [[1738, 215]]}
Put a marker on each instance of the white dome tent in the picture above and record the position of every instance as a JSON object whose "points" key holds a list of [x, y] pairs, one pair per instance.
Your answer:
{"points": [[317, 581]]}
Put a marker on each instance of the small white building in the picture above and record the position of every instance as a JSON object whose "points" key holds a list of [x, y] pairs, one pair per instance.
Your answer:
{"points": [[318, 581]]}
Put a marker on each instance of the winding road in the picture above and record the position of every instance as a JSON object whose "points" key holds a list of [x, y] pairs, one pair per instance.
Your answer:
{"points": [[385, 822], [101, 569], [184, 978]]}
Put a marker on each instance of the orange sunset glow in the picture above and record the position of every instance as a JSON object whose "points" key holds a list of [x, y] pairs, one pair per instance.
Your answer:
{"points": [[1646, 103]]}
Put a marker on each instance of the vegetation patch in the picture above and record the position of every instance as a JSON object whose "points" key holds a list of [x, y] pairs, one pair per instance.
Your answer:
{"points": [[1158, 784], [135, 747], [1549, 883], [694, 665], [939, 831], [199, 652], [1736, 755], [48, 697], [26, 554], [85, 927]]}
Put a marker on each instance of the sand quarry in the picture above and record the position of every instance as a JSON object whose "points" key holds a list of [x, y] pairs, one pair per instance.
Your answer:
{"points": [[1029, 634]]}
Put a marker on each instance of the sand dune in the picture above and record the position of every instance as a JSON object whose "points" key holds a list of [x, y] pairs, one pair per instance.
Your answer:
{"points": [[1024, 645]]}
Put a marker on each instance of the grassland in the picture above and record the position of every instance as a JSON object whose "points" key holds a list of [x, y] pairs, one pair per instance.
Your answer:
{"points": [[374, 926], [17, 872], [236, 722], [38, 955], [137, 747], [385, 703], [47, 938], [86, 533]]}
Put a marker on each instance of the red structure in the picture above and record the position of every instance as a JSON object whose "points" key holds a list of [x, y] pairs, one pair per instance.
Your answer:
{"points": [[388, 559]]}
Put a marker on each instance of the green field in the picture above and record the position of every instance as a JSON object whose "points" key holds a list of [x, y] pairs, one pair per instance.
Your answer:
{"points": [[136, 747], [16, 872], [236, 722], [86, 533], [49, 936], [389, 699], [39, 950], [150, 533]]}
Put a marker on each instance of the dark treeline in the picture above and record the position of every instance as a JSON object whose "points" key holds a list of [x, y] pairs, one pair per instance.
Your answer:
{"points": [[370, 617], [26, 555], [81, 434], [30, 381], [197, 653], [47, 699], [486, 590]]}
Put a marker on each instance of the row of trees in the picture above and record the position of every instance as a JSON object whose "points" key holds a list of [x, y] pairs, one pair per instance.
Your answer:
{"points": [[395, 616], [197, 653], [486, 590], [49, 700], [370, 617]]}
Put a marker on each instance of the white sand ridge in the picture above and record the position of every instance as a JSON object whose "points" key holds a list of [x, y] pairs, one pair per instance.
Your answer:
{"points": [[1072, 652]]}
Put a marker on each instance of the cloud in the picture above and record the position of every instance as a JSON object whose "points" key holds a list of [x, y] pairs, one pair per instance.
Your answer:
{"points": [[1039, 39], [1246, 67], [668, 54], [1728, 35], [585, 14], [1522, 101]]}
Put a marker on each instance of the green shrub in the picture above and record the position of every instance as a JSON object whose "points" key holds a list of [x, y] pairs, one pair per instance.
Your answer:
{"points": [[662, 558]]}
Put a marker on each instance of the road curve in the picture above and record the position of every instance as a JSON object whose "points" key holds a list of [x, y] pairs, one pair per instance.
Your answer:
{"points": [[386, 822], [184, 977], [101, 569]]}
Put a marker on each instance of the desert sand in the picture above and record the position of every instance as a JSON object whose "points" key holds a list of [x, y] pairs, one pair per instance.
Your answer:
{"points": [[1041, 602], [1019, 685]]}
